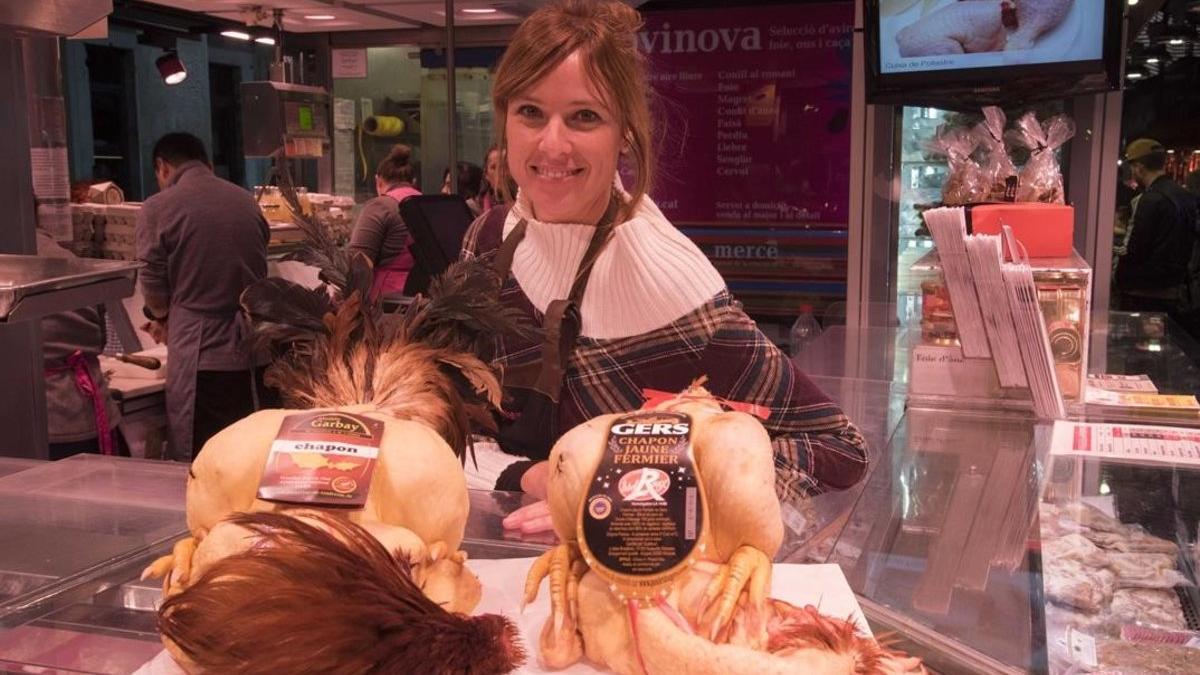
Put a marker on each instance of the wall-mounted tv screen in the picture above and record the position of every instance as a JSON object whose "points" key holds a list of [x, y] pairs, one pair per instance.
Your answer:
{"points": [[975, 52]]}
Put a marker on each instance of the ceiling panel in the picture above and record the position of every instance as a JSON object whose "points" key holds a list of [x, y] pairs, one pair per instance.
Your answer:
{"points": [[369, 15]]}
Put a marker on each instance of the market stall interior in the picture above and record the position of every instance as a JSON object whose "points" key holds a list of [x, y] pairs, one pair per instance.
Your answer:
{"points": [[937, 188]]}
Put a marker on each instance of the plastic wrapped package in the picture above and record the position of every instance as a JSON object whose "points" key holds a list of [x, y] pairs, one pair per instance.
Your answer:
{"points": [[999, 175], [965, 182], [1153, 606], [1040, 180], [1072, 583]]}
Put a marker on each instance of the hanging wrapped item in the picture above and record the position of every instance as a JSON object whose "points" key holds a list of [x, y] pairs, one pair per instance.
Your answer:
{"points": [[965, 183], [999, 173], [1041, 177]]}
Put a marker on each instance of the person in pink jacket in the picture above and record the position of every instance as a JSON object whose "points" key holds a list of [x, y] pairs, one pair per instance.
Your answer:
{"points": [[380, 232]]}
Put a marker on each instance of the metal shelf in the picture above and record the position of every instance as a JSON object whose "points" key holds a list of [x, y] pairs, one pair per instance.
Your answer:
{"points": [[32, 286]]}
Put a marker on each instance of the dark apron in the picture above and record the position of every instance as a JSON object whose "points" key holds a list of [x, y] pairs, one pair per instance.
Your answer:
{"points": [[535, 389]]}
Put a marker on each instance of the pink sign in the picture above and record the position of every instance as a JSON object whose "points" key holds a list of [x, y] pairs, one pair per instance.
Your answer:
{"points": [[754, 106]]}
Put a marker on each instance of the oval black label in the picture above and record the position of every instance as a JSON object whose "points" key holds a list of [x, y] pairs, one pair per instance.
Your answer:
{"points": [[643, 513]]}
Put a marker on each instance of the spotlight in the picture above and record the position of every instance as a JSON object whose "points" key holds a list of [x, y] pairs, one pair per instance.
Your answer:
{"points": [[265, 40], [171, 68], [236, 34]]}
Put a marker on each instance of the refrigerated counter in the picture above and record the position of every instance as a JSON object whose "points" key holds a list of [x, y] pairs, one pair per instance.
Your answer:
{"points": [[952, 544]]}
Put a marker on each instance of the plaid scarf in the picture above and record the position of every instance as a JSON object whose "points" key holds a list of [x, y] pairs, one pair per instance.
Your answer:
{"points": [[816, 447]]}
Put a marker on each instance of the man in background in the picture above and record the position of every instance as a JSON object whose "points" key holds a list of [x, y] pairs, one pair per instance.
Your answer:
{"points": [[1157, 270], [203, 240]]}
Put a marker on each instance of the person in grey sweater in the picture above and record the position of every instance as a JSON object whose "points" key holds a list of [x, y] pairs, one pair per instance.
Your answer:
{"points": [[380, 232], [203, 241], [81, 415]]}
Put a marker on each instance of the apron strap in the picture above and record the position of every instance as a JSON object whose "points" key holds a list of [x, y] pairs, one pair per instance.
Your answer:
{"points": [[508, 248], [562, 322], [77, 364]]}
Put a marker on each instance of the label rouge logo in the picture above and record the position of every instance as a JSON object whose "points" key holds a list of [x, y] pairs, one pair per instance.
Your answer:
{"points": [[643, 485]]}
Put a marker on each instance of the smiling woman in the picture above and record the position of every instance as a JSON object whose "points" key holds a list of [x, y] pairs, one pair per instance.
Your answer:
{"points": [[624, 302], [574, 101], [563, 144]]}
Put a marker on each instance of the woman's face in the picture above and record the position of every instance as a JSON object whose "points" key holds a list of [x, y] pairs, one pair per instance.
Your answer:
{"points": [[493, 168], [563, 146]]}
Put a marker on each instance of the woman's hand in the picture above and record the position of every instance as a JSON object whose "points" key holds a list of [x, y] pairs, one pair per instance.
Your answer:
{"points": [[533, 482], [530, 519]]}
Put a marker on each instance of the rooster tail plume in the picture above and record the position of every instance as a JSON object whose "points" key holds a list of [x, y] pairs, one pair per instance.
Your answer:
{"points": [[343, 270], [461, 311], [325, 599], [417, 365], [285, 314]]}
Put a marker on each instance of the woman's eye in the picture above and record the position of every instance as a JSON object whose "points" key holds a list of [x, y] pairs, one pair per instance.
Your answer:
{"points": [[587, 116], [528, 111]]}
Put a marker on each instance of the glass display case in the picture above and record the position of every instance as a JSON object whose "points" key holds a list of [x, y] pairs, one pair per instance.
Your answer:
{"points": [[921, 174], [75, 535], [1064, 291], [956, 544], [960, 544]]}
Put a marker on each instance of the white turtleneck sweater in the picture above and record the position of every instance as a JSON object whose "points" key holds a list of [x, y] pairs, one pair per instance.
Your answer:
{"points": [[648, 275]]}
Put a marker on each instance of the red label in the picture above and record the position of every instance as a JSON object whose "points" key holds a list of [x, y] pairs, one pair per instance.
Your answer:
{"points": [[655, 397], [322, 459]]}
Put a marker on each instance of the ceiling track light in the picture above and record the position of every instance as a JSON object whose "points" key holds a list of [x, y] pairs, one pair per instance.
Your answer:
{"points": [[170, 67]]}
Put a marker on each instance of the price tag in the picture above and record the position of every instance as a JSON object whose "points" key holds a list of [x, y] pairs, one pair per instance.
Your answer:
{"points": [[1083, 648], [322, 459]]}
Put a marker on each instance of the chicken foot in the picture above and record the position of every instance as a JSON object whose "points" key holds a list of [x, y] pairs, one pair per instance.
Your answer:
{"points": [[175, 568], [748, 569], [560, 642]]}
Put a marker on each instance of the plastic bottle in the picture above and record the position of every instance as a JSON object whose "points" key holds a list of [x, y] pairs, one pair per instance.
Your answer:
{"points": [[804, 331]]}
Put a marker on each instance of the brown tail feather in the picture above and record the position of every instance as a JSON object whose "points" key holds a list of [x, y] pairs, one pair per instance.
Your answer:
{"points": [[326, 599], [795, 628], [421, 365]]}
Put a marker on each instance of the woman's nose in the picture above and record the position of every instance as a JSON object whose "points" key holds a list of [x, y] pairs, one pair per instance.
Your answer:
{"points": [[554, 139]]}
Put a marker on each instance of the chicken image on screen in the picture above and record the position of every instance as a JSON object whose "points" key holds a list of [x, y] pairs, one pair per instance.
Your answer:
{"points": [[973, 26]]}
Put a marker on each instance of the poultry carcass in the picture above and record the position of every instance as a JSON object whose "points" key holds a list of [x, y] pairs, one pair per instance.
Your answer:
{"points": [[1035, 18], [709, 613], [959, 28], [340, 601], [408, 383], [972, 26]]}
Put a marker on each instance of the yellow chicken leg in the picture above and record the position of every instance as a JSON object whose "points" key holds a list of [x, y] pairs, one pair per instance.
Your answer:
{"points": [[560, 642], [748, 569], [174, 568]]}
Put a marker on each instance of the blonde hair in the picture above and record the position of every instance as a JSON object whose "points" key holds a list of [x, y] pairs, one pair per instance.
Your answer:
{"points": [[604, 32]]}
